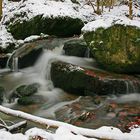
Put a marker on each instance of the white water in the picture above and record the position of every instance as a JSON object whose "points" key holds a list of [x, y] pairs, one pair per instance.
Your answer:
{"points": [[15, 64], [40, 73]]}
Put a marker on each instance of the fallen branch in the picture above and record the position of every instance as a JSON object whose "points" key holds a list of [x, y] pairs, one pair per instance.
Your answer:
{"points": [[76, 130], [17, 126], [14, 127]]}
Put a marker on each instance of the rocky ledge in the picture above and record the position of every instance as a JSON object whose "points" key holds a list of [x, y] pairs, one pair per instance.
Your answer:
{"points": [[75, 79]]}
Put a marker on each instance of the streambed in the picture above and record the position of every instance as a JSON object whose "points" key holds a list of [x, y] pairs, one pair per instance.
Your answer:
{"points": [[54, 103]]}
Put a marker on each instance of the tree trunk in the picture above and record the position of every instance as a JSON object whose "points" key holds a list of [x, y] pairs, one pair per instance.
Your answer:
{"points": [[130, 10], [0, 9], [98, 7]]}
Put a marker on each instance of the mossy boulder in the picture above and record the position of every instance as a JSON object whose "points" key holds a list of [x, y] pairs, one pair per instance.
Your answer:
{"points": [[75, 79], [116, 48], [75, 47], [58, 26], [25, 90]]}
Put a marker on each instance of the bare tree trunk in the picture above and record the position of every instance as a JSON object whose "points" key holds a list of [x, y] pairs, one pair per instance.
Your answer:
{"points": [[92, 6], [0, 9], [98, 7], [103, 4], [130, 10]]}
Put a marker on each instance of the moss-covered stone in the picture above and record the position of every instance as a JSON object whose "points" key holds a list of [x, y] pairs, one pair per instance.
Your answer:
{"points": [[83, 81], [75, 47], [116, 48], [59, 26], [25, 90], [30, 100]]}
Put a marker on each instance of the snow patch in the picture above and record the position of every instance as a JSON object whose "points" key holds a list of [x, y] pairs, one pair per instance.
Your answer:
{"points": [[5, 37], [108, 21]]}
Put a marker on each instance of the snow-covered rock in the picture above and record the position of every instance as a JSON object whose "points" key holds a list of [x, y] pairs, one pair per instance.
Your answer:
{"points": [[114, 42]]}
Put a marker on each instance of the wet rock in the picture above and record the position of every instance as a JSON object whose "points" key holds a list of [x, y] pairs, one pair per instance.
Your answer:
{"points": [[75, 47], [9, 47], [116, 48], [3, 60], [25, 90], [58, 26], [75, 79], [27, 55], [35, 99], [2, 92]]}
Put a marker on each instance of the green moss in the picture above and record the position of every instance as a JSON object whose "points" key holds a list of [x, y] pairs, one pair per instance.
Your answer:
{"points": [[26, 90], [26, 101], [59, 26], [116, 48]]}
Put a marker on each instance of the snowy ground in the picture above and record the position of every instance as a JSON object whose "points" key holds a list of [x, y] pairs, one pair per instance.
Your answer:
{"points": [[31, 8], [64, 133], [117, 15]]}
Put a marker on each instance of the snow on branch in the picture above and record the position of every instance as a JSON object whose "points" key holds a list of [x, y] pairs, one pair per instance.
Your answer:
{"points": [[103, 132]]}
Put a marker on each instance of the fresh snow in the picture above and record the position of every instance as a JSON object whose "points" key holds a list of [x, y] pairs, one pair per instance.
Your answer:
{"points": [[117, 15], [107, 21], [47, 8], [64, 133], [5, 37]]}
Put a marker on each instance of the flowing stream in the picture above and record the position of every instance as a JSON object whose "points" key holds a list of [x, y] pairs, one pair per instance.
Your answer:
{"points": [[52, 99]]}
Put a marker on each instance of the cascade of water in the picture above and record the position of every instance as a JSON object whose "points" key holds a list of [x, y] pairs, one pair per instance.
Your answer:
{"points": [[132, 86], [127, 86], [87, 53], [9, 59], [15, 64]]}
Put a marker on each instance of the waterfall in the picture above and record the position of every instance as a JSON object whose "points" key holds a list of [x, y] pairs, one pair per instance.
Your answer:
{"points": [[10, 59], [87, 53], [132, 86], [15, 64]]}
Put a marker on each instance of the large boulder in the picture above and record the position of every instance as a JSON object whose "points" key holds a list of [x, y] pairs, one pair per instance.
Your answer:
{"points": [[75, 79], [58, 26], [116, 48], [76, 47]]}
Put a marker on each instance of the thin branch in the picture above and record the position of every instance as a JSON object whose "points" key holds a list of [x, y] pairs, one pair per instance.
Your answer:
{"points": [[4, 123]]}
